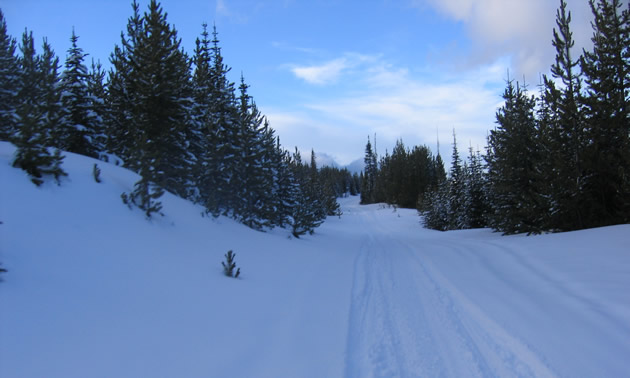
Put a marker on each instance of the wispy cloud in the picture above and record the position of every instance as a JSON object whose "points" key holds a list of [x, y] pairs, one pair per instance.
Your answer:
{"points": [[519, 29], [321, 74], [378, 97], [330, 71]]}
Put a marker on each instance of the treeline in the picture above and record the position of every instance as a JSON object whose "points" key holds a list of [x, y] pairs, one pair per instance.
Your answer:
{"points": [[557, 161], [402, 178], [175, 119]]}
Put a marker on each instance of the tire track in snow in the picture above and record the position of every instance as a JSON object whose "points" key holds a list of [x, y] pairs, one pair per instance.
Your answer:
{"points": [[406, 320], [376, 337], [504, 354]]}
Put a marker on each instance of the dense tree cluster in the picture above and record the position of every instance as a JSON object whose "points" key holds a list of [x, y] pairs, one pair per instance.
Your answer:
{"points": [[460, 200], [557, 161], [402, 178], [176, 120]]}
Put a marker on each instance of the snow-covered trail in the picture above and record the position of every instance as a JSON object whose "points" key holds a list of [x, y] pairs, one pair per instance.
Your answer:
{"points": [[93, 289], [412, 315]]}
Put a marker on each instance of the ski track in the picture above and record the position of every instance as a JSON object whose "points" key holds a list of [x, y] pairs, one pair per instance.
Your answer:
{"points": [[407, 320]]}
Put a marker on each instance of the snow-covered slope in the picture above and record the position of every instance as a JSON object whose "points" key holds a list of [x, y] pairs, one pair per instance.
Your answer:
{"points": [[96, 290]]}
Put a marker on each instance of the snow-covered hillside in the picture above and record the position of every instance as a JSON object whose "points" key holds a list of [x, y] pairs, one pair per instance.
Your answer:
{"points": [[94, 289]]}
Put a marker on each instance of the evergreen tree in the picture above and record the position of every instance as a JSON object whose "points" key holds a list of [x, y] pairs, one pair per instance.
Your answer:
{"points": [[9, 82], [434, 204], [80, 127], [477, 208], [285, 187], [436, 207], [96, 98], [121, 95], [511, 164], [323, 192], [219, 181], [567, 134], [51, 87], [606, 163], [252, 170], [156, 76], [397, 177], [544, 177], [32, 138], [368, 183], [307, 210], [200, 133], [457, 191]]}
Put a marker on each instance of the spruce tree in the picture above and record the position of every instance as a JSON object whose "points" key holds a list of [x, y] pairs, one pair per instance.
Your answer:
{"points": [[121, 97], [80, 127], [51, 105], [96, 98], [436, 208], [368, 183], [457, 191], [154, 77], [219, 181], [511, 160], [307, 209], [32, 138], [606, 163], [252, 170], [477, 208], [285, 187], [9, 82], [568, 136], [201, 137]]}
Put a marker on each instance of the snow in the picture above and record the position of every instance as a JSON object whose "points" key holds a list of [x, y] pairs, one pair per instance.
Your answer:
{"points": [[94, 289]]}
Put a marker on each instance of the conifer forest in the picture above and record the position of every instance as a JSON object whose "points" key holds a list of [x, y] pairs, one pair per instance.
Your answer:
{"points": [[174, 119], [557, 159], [153, 224]]}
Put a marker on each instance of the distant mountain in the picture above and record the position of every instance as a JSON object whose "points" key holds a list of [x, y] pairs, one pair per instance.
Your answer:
{"points": [[325, 160], [356, 166]]}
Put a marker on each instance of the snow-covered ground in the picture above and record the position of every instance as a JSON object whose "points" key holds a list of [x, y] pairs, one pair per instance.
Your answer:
{"points": [[96, 290]]}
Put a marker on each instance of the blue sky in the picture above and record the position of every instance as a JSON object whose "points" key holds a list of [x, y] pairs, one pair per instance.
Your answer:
{"points": [[328, 73]]}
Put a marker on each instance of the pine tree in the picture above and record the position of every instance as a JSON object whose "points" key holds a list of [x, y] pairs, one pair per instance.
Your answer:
{"points": [[80, 131], [9, 82], [155, 75], [121, 96], [437, 208], [457, 191], [96, 98], [477, 208], [32, 138], [252, 170], [368, 183], [219, 181], [285, 187], [434, 206], [200, 136], [568, 138], [511, 160], [606, 162], [51, 101], [307, 210]]}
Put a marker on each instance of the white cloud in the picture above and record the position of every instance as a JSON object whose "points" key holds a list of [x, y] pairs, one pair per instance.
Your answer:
{"points": [[393, 102], [321, 74], [520, 29], [330, 71]]}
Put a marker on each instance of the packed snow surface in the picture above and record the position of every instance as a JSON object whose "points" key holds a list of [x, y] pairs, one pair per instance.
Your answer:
{"points": [[94, 289]]}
